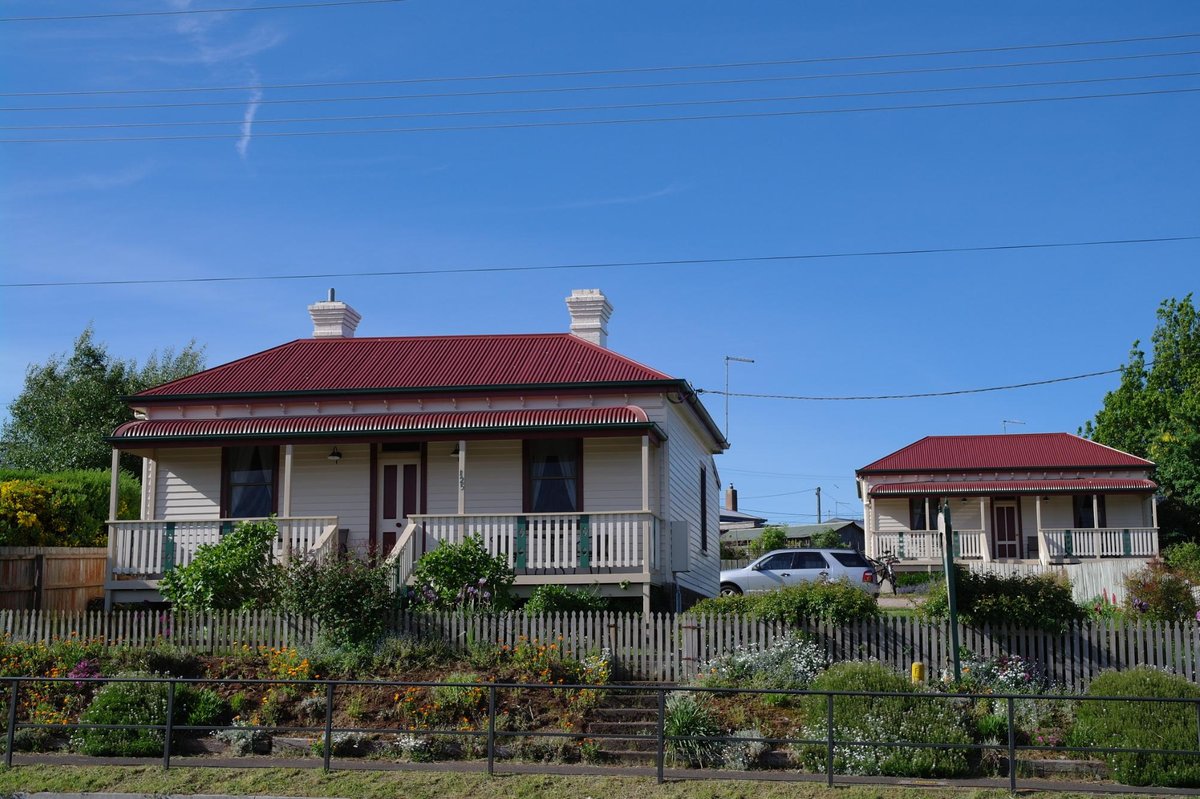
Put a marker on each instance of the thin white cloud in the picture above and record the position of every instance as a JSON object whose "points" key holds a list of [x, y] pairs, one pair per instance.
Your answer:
{"points": [[258, 40], [630, 199], [243, 144], [85, 181]]}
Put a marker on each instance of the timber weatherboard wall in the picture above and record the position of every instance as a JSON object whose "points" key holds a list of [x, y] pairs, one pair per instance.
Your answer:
{"points": [[612, 474], [323, 488], [494, 482], [187, 483], [687, 458]]}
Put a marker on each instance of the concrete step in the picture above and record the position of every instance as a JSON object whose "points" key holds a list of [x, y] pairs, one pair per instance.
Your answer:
{"points": [[623, 727], [626, 699], [629, 758], [625, 713]]}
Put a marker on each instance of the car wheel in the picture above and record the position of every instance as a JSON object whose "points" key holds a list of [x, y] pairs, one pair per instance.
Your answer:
{"points": [[729, 589]]}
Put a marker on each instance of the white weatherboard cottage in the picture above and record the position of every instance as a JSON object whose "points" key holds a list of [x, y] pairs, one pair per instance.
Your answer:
{"points": [[580, 466], [1045, 497]]}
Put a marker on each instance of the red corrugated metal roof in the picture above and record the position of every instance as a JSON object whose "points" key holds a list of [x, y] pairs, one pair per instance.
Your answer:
{"points": [[1088, 486], [425, 362], [1010, 451], [465, 422]]}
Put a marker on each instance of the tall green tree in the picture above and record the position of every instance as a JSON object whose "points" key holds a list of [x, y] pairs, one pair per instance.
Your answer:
{"points": [[1155, 414], [70, 403]]}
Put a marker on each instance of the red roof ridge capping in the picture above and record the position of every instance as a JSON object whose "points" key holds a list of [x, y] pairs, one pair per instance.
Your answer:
{"points": [[335, 365], [1010, 451]]}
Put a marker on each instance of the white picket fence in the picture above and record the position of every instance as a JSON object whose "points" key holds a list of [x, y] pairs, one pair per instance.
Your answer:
{"points": [[660, 647]]}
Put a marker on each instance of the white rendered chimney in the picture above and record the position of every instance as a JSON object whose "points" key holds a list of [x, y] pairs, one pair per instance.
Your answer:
{"points": [[333, 319], [590, 310]]}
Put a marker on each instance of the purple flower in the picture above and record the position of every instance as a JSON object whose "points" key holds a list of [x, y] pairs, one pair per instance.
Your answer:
{"points": [[83, 670]]}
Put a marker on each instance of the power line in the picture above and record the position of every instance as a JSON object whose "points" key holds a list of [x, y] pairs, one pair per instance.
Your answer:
{"points": [[784, 494], [608, 107], [589, 88], [591, 122], [612, 71], [781, 513], [611, 265], [182, 12], [843, 476], [924, 395]]}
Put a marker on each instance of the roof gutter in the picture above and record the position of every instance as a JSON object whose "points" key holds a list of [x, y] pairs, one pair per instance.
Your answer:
{"points": [[447, 432]]}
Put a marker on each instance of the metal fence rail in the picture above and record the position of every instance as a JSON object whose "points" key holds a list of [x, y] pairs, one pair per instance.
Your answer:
{"points": [[326, 731]]}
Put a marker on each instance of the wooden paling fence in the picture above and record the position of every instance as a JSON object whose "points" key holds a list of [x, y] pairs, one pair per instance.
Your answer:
{"points": [[660, 647], [51, 578]]}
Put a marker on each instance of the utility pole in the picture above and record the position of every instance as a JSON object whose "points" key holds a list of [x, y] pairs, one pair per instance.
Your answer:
{"points": [[819, 505], [729, 358]]}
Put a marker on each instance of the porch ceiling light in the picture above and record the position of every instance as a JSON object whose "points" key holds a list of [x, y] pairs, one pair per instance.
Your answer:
{"points": [[334, 456]]}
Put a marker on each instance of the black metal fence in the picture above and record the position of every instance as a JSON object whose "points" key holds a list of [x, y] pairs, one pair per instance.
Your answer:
{"points": [[663, 743]]}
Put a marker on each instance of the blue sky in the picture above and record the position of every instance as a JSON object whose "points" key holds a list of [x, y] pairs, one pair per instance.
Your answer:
{"points": [[953, 177]]}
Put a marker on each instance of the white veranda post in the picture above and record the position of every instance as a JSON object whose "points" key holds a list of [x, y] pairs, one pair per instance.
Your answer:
{"points": [[114, 486]]}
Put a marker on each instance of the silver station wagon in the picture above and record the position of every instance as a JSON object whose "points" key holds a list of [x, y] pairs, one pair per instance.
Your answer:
{"points": [[783, 567]]}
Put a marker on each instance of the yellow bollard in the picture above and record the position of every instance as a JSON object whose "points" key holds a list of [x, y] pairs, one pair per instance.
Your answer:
{"points": [[918, 672]]}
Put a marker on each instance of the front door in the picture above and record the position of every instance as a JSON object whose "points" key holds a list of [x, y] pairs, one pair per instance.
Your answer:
{"points": [[1006, 532], [396, 497]]}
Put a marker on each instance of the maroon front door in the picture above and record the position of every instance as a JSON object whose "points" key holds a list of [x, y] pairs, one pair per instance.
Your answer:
{"points": [[397, 498], [1006, 533]]}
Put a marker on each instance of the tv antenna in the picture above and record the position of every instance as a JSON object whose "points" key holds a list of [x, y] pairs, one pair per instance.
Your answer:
{"points": [[1004, 423], [729, 358]]}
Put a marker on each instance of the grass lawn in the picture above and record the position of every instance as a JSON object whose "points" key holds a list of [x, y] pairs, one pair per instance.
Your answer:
{"points": [[436, 785]]}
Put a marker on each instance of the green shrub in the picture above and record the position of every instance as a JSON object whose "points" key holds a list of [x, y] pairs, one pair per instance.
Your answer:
{"points": [[1184, 559], [892, 719], [351, 599], [343, 744], [770, 539], [562, 599], [838, 602], [155, 659], [237, 573], [827, 539], [463, 577], [124, 703], [1102, 608], [737, 605], [1142, 725], [405, 653], [457, 698], [1158, 594], [688, 716], [789, 663], [1039, 602], [66, 509], [918, 578], [142, 703], [200, 707]]}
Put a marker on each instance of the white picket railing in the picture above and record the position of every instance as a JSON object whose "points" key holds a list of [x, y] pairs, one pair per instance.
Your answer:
{"points": [[1102, 542], [402, 558], [532, 541], [925, 544], [151, 548]]}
